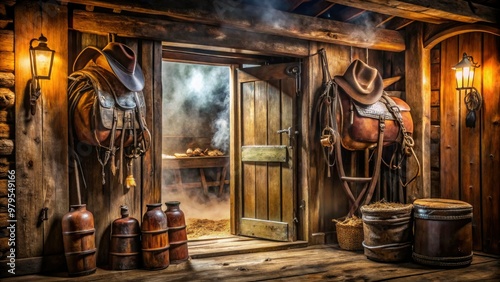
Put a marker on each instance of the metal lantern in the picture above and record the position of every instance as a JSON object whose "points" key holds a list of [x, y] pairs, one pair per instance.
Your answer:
{"points": [[464, 73], [41, 59]]}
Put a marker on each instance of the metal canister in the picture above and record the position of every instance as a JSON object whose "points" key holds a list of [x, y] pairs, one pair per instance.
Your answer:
{"points": [[176, 232], [443, 232], [155, 243], [79, 241], [125, 246]]}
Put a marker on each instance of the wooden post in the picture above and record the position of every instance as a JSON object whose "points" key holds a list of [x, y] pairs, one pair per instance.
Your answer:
{"points": [[417, 71], [41, 139]]}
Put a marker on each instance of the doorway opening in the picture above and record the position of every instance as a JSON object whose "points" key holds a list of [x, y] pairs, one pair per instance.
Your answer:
{"points": [[195, 145]]}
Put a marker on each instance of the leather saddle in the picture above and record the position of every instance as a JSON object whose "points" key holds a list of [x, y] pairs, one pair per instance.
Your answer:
{"points": [[105, 109], [360, 124]]}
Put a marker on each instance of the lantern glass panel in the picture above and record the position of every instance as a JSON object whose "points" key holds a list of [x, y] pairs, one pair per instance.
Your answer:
{"points": [[42, 62]]}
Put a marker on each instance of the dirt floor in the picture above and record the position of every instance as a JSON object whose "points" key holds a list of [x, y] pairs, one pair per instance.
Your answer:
{"points": [[206, 228]]}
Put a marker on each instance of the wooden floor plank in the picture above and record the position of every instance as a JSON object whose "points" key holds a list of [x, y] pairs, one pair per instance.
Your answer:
{"points": [[237, 245], [313, 263]]}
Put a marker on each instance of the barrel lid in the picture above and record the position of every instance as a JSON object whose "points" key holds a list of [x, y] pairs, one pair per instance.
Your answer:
{"points": [[441, 204]]}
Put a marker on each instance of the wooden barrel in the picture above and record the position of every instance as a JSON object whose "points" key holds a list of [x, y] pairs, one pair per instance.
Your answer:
{"points": [[125, 246], [177, 235], [387, 229], [443, 232], [79, 241], [155, 244]]}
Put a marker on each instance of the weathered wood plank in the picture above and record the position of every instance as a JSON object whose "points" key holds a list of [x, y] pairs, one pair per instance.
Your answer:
{"points": [[311, 154], [54, 139], [315, 263], [28, 148], [209, 57], [7, 98], [437, 34], [470, 142], [34, 265], [417, 96], [263, 153], [430, 11], [273, 230], [450, 123], [490, 147], [235, 143], [264, 20], [151, 161], [194, 162], [288, 170], [220, 39], [248, 138], [238, 245], [133, 197], [6, 79], [261, 110], [273, 138], [7, 61], [7, 41]]}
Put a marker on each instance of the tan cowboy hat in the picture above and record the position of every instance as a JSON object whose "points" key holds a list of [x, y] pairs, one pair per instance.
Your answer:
{"points": [[362, 82], [120, 58]]}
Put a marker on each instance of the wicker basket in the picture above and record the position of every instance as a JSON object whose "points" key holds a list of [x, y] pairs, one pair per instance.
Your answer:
{"points": [[350, 237]]}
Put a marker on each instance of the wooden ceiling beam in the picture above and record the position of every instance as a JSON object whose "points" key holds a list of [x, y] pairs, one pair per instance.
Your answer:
{"points": [[346, 14], [430, 11], [398, 23], [217, 38], [266, 21], [314, 9], [293, 4]]}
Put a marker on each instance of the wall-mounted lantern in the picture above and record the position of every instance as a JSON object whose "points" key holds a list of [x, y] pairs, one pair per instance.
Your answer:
{"points": [[464, 73], [41, 59]]}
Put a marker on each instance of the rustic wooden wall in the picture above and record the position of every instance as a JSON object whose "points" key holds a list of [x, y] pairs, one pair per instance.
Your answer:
{"points": [[104, 200], [41, 146], [326, 199], [44, 142], [467, 158], [7, 97]]}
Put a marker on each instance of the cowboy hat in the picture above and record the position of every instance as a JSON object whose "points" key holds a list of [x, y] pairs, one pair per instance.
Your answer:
{"points": [[120, 58], [362, 82]]}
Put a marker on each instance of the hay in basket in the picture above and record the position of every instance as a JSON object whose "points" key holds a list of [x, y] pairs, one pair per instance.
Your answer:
{"points": [[350, 233]]}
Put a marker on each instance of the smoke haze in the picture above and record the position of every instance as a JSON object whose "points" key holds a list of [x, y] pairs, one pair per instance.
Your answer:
{"points": [[196, 104]]}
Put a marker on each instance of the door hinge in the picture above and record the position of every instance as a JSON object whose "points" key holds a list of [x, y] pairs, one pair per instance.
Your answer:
{"points": [[302, 205], [43, 216], [295, 71]]}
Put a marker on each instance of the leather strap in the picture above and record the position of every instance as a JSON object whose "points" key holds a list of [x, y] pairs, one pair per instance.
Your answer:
{"points": [[407, 142]]}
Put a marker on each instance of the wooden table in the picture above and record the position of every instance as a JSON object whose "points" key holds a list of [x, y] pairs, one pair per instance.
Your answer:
{"points": [[176, 164]]}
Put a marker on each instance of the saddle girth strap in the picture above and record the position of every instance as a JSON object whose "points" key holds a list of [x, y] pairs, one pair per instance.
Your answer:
{"points": [[407, 143]]}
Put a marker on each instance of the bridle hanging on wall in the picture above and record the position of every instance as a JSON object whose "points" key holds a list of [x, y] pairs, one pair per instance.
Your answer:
{"points": [[348, 118]]}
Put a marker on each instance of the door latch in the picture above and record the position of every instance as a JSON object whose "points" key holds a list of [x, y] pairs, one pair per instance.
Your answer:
{"points": [[288, 131]]}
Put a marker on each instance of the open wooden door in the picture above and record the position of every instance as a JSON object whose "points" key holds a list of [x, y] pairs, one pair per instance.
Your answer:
{"points": [[265, 157]]}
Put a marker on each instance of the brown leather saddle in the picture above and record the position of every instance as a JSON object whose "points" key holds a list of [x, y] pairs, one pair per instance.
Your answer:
{"points": [[105, 114], [354, 126], [360, 123]]}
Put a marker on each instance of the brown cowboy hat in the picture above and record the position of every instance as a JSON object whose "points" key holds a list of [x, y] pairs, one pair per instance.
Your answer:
{"points": [[362, 82], [120, 58]]}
